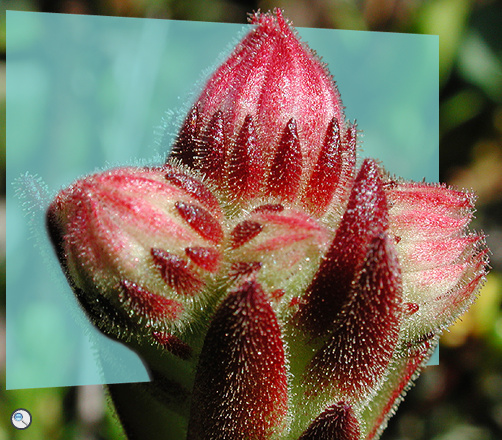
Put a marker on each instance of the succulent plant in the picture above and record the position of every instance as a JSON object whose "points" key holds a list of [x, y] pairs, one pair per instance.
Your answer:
{"points": [[275, 288]]}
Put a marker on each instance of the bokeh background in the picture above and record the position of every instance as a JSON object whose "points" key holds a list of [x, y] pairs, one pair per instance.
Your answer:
{"points": [[461, 399]]}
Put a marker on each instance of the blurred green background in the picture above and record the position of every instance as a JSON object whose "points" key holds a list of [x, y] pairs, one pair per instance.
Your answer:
{"points": [[461, 399]]}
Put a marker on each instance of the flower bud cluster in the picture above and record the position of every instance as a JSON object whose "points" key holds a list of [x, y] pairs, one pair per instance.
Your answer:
{"points": [[306, 291]]}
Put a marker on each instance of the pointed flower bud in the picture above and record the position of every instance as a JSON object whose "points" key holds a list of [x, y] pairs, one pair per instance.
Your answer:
{"points": [[269, 121], [138, 245], [442, 263]]}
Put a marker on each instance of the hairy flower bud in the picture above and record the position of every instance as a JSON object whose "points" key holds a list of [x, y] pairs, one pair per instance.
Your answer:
{"points": [[138, 246], [442, 263], [270, 122]]}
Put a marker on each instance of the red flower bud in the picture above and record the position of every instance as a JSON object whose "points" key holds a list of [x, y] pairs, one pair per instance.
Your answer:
{"points": [[137, 244], [442, 263], [270, 122]]}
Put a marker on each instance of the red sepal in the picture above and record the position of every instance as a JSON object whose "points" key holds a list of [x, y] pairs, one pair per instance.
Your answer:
{"points": [[366, 217], [361, 346], [338, 422], [240, 387]]}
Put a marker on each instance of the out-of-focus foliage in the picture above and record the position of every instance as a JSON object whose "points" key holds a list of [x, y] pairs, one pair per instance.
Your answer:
{"points": [[461, 399]]}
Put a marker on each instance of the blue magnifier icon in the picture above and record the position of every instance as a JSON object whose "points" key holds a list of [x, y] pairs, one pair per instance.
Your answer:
{"points": [[18, 417]]}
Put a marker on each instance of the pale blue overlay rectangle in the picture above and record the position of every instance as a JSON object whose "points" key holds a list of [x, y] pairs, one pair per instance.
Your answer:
{"points": [[86, 93]]}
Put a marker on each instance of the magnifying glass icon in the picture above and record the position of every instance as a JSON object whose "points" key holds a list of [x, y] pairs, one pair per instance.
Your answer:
{"points": [[21, 418]]}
